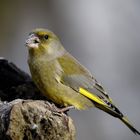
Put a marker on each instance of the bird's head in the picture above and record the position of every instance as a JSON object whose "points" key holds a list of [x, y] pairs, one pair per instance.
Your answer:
{"points": [[42, 41]]}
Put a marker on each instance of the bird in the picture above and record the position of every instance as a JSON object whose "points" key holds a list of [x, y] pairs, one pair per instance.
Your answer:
{"points": [[63, 80]]}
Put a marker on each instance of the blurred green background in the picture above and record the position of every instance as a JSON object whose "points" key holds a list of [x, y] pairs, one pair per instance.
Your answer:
{"points": [[102, 35]]}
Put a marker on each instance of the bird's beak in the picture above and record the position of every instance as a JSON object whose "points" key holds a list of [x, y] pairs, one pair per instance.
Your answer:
{"points": [[32, 41]]}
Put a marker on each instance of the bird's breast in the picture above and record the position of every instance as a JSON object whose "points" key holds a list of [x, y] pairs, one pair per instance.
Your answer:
{"points": [[45, 74]]}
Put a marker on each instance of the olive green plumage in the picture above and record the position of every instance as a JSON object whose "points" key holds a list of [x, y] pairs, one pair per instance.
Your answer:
{"points": [[61, 78]]}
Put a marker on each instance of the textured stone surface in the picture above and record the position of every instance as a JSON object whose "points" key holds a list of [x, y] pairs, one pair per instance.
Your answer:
{"points": [[34, 120]]}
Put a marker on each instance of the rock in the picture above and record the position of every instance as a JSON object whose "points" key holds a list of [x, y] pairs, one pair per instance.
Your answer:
{"points": [[34, 120]]}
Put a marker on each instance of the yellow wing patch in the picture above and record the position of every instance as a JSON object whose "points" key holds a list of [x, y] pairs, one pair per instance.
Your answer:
{"points": [[91, 96]]}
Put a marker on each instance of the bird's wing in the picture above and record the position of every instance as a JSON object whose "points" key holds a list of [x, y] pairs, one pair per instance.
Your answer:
{"points": [[79, 78]]}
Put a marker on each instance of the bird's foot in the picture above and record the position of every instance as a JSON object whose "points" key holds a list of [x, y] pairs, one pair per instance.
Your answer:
{"points": [[62, 110], [65, 109]]}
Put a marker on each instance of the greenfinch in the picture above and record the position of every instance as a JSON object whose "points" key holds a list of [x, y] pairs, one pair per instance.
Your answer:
{"points": [[63, 80]]}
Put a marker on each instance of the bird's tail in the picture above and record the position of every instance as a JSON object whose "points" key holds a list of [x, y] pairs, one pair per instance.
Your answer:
{"points": [[109, 107], [126, 122], [116, 113]]}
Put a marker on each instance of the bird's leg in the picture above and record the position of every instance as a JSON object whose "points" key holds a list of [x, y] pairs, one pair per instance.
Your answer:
{"points": [[65, 109], [59, 111]]}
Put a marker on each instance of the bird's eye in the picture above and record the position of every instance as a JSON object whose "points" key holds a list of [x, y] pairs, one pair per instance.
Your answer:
{"points": [[46, 37]]}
